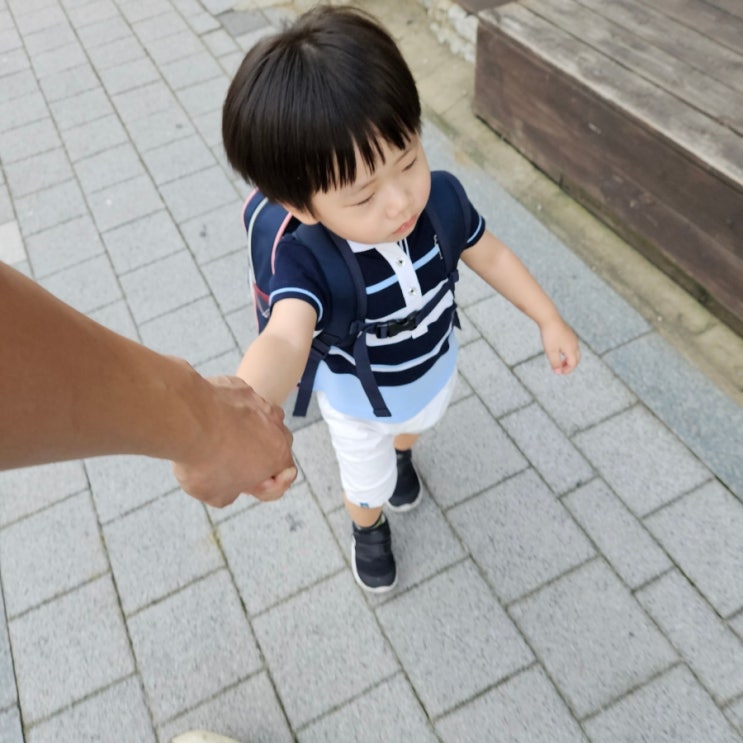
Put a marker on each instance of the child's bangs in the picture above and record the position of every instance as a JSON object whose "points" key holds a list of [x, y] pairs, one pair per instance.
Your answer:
{"points": [[336, 159]]}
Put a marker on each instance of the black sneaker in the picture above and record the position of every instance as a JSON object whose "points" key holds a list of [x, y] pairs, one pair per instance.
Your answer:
{"points": [[407, 493], [372, 561]]}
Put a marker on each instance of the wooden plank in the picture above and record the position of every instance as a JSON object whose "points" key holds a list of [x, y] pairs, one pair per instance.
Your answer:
{"points": [[665, 202], [719, 62], [710, 143], [719, 25], [644, 59]]}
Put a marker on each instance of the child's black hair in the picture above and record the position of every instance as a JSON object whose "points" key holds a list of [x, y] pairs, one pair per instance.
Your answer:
{"points": [[305, 98]]}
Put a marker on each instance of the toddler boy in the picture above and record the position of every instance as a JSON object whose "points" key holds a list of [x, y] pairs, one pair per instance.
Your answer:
{"points": [[324, 118]]}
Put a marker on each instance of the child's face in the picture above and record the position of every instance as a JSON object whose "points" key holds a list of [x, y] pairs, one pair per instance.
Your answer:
{"points": [[380, 206]]}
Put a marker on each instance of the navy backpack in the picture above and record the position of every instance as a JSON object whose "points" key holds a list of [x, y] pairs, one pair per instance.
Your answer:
{"points": [[346, 327]]}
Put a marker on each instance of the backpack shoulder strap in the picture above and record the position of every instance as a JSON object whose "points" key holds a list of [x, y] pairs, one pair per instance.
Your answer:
{"points": [[345, 324]]}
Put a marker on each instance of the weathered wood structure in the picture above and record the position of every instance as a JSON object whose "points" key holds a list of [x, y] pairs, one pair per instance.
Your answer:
{"points": [[636, 108]]}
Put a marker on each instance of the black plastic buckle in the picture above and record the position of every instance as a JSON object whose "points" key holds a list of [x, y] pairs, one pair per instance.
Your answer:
{"points": [[393, 327]]}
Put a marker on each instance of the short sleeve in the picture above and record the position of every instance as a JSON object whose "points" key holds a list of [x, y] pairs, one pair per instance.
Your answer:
{"points": [[463, 224], [298, 276]]}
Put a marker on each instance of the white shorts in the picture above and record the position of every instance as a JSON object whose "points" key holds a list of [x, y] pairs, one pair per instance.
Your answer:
{"points": [[365, 448]]}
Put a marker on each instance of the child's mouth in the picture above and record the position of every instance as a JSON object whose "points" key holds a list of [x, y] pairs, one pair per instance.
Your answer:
{"points": [[407, 225]]}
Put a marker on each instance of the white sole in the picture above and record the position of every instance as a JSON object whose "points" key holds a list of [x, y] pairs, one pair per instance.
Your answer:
{"points": [[381, 589], [407, 507]]}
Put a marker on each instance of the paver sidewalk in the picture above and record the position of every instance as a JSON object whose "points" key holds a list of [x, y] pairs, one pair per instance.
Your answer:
{"points": [[574, 573]]}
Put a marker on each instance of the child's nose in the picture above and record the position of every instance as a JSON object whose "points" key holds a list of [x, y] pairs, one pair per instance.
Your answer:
{"points": [[398, 200]]}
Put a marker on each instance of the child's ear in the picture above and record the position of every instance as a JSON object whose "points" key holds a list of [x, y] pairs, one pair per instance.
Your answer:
{"points": [[302, 215]]}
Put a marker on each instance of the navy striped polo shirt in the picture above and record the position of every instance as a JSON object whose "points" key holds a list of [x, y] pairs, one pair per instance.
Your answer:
{"points": [[411, 367]]}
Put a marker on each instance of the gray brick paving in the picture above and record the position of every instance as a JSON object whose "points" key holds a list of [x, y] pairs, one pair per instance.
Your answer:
{"points": [[454, 474], [496, 385], [10, 726], [548, 449], [28, 490], [69, 82], [124, 202], [686, 402], [8, 693], [576, 402], [735, 714], [703, 533], [450, 622], [520, 535], [63, 246], [326, 628], [142, 241], [588, 619], [215, 233], [197, 332], [293, 527], [620, 536], [46, 169], [150, 291], [396, 713], [572, 574], [67, 530], [513, 336], [50, 206], [12, 243], [121, 484], [672, 709], [710, 648], [120, 707], [108, 168], [524, 709], [87, 285], [62, 654], [662, 468], [147, 566], [179, 670], [248, 711]]}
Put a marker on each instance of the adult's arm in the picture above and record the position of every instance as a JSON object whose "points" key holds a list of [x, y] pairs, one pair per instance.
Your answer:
{"points": [[70, 388]]}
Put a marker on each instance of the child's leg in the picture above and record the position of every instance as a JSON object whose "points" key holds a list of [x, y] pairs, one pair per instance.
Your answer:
{"points": [[407, 493], [363, 517], [405, 441], [367, 465]]}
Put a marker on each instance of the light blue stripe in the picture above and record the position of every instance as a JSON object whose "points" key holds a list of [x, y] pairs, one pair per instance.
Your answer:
{"points": [[297, 290], [429, 256], [477, 229], [374, 288], [345, 393]]}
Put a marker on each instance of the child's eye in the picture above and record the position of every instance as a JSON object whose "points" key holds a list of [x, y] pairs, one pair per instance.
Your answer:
{"points": [[365, 201], [411, 163]]}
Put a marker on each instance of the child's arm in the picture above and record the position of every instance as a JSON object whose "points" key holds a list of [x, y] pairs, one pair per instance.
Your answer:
{"points": [[275, 360], [499, 266]]}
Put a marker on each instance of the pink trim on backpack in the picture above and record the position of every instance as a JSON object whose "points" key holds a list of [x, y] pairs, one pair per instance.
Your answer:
{"points": [[279, 235], [247, 201]]}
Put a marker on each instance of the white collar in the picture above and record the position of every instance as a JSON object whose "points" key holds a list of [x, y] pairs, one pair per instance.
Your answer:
{"points": [[361, 247]]}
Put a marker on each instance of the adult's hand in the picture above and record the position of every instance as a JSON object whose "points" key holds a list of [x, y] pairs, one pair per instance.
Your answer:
{"points": [[245, 448]]}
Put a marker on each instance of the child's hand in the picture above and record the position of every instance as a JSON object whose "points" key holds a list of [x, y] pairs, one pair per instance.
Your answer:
{"points": [[560, 345]]}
